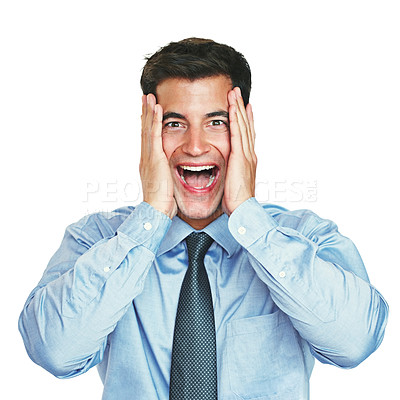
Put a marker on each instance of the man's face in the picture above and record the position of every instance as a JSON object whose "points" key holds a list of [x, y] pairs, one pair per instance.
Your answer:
{"points": [[196, 142]]}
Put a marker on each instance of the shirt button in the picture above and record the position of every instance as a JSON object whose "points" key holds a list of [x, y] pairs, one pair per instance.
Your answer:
{"points": [[282, 274], [242, 230], [106, 269], [147, 226]]}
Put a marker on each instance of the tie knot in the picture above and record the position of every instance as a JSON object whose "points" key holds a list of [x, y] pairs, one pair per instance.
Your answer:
{"points": [[198, 243]]}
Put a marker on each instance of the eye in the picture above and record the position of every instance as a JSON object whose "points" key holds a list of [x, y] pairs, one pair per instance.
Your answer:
{"points": [[217, 122], [172, 124]]}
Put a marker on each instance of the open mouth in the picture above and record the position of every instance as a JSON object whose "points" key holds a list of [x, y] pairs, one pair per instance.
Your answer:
{"points": [[198, 176]]}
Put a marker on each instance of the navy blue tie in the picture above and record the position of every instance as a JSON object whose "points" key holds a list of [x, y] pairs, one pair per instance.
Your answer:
{"points": [[194, 355]]}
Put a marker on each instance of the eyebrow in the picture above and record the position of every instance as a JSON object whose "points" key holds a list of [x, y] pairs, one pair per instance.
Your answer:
{"points": [[221, 113], [176, 115], [169, 115]]}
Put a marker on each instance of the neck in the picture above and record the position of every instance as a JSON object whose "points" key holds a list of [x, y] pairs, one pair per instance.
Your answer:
{"points": [[199, 224]]}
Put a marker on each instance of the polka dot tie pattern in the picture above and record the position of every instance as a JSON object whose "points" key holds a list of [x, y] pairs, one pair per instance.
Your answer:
{"points": [[194, 355]]}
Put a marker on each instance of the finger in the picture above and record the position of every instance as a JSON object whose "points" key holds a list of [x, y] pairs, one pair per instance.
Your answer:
{"points": [[247, 114], [150, 118], [150, 103], [156, 129], [156, 151], [243, 122], [235, 127], [242, 115], [145, 111], [241, 105], [236, 140], [250, 116], [144, 97], [144, 105]]}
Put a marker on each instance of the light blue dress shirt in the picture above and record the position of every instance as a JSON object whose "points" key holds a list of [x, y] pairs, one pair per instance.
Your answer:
{"points": [[286, 287]]}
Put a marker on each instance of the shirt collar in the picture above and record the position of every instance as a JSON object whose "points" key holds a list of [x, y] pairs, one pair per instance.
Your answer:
{"points": [[218, 230]]}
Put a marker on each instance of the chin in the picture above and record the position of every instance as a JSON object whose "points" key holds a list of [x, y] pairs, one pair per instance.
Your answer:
{"points": [[198, 212]]}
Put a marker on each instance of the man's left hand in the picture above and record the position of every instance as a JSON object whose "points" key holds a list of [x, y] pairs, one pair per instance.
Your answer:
{"points": [[240, 180]]}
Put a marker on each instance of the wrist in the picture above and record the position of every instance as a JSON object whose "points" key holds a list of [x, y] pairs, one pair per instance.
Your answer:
{"points": [[231, 206], [168, 209]]}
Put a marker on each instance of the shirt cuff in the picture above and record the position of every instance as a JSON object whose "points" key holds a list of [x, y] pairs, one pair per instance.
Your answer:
{"points": [[146, 226], [249, 222]]}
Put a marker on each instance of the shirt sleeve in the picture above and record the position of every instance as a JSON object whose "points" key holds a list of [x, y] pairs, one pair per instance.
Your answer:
{"points": [[87, 287], [316, 276]]}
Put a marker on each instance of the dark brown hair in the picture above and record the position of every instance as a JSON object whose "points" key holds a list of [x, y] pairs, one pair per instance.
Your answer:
{"points": [[195, 58]]}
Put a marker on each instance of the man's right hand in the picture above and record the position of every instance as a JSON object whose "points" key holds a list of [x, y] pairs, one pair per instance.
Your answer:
{"points": [[157, 183]]}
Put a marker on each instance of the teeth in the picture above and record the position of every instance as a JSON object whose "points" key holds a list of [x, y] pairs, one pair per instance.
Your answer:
{"points": [[210, 181], [200, 168]]}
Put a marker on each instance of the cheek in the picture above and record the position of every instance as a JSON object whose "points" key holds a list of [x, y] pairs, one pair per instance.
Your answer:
{"points": [[169, 145], [224, 147]]}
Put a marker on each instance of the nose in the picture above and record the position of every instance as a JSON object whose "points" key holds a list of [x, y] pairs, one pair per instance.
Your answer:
{"points": [[196, 142]]}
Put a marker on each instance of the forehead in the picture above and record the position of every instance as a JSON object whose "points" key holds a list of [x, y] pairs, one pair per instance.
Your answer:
{"points": [[206, 94]]}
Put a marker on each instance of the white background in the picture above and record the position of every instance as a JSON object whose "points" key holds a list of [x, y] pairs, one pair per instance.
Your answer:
{"points": [[326, 102]]}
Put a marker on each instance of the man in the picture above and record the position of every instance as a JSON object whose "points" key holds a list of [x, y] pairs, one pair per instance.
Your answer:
{"points": [[284, 287]]}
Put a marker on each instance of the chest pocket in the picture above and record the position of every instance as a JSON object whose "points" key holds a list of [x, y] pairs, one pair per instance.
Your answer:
{"points": [[265, 361]]}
